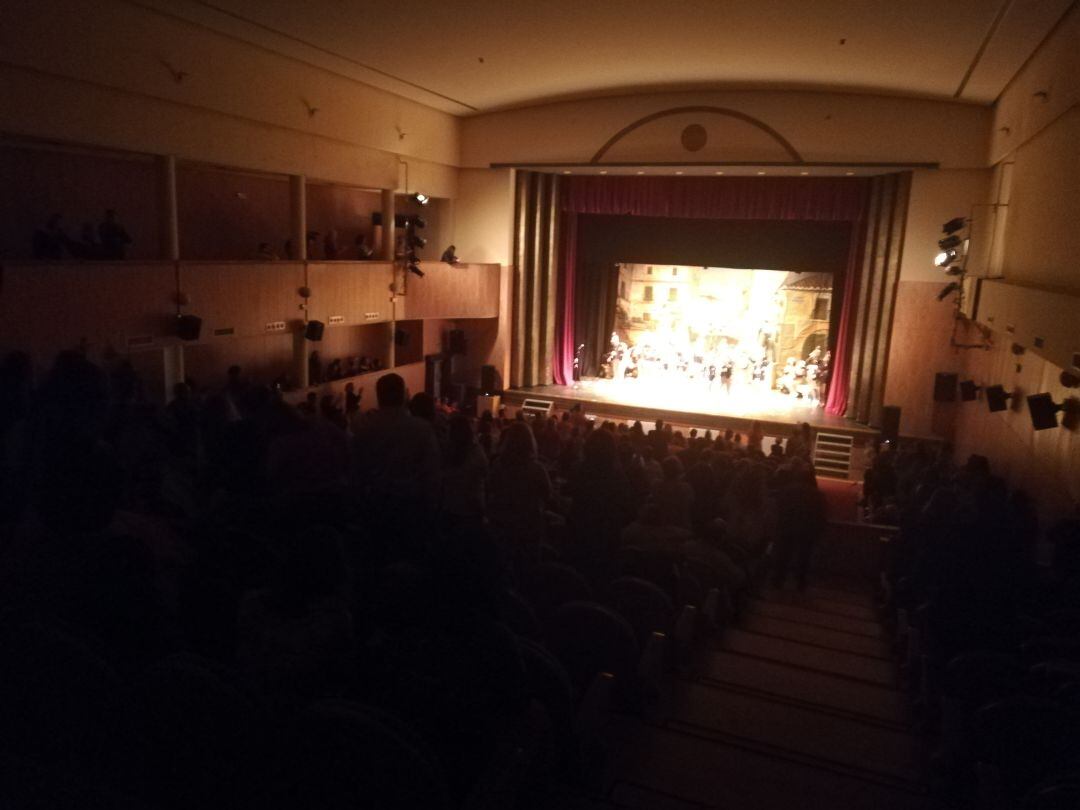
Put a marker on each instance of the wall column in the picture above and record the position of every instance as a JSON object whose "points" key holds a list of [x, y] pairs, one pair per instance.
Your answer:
{"points": [[298, 216], [173, 357], [386, 250], [168, 216]]}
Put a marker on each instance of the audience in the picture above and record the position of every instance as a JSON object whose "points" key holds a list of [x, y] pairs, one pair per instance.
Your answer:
{"points": [[191, 590]]}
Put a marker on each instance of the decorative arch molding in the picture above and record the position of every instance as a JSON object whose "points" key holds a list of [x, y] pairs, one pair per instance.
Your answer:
{"points": [[784, 143]]}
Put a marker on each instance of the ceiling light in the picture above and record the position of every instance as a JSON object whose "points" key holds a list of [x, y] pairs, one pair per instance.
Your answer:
{"points": [[804, 173], [422, 199], [678, 172], [641, 172], [604, 172], [849, 174], [566, 171], [760, 173], [719, 172]]}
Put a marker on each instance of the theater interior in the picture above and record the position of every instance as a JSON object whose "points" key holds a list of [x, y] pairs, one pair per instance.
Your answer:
{"points": [[561, 405]]}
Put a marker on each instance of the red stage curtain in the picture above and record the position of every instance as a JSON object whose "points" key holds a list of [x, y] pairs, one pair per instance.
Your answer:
{"points": [[785, 198], [836, 199]]}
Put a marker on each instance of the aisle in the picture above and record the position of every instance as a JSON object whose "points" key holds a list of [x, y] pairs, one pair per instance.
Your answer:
{"points": [[795, 707]]}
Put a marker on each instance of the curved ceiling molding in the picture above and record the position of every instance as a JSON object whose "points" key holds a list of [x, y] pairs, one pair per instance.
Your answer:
{"points": [[722, 111]]}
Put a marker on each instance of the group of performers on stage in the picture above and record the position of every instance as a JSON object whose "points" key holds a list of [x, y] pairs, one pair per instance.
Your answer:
{"points": [[723, 369]]}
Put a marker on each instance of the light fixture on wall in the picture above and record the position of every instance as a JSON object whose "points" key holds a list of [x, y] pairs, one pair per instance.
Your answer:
{"points": [[421, 199], [954, 225], [948, 290], [412, 242]]}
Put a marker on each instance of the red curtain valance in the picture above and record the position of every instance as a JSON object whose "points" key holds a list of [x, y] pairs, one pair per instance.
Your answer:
{"points": [[834, 199]]}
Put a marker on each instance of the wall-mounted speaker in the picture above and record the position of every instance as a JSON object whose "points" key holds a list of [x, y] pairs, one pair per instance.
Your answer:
{"points": [[890, 423], [314, 330], [969, 391], [188, 327], [489, 380], [1043, 411], [945, 387], [997, 399]]}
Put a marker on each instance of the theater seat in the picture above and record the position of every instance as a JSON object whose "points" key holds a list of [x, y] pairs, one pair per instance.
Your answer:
{"points": [[589, 638], [552, 585], [645, 606]]}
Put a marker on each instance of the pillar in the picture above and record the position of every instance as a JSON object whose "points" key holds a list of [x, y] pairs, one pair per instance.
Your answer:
{"points": [[168, 212], [174, 367], [386, 252], [298, 215]]}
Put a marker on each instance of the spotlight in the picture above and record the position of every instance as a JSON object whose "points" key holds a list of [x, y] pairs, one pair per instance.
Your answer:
{"points": [[953, 225], [415, 241], [1043, 411], [421, 199], [949, 242], [418, 222], [946, 257], [1070, 380], [949, 288], [997, 399], [968, 391], [414, 268]]}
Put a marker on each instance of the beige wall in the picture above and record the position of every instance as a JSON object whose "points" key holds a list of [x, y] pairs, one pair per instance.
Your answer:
{"points": [[98, 75], [484, 215], [821, 126], [936, 197]]}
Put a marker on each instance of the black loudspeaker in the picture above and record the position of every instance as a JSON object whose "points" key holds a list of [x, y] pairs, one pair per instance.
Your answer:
{"points": [[996, 398], [188, 327], [1043, 411], [458, 344], [489, 380], [945, 387], [313, 330], [969, 391], [890, 423], [437, 375]]}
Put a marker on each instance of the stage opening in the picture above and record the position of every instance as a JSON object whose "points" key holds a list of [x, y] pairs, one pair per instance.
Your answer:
{"points": [[738, 333]]}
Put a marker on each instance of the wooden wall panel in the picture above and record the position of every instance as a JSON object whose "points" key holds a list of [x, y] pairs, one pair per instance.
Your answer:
{"points": [[48, 307], [452, 291], [352, 290], [243, 296]]}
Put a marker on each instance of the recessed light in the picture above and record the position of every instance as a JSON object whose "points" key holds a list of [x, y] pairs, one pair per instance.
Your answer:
{"points": [[678, 172], [804, 173], [760, 173], [566, 171], [641, 172], [849, 174], [604, 171], [719, 172]]}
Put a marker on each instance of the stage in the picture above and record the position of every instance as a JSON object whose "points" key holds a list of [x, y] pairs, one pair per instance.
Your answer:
{"points": [[690, 403]]}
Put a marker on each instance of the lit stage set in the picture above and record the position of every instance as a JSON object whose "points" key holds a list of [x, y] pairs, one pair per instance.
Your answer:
{"points": [[707, 347]]}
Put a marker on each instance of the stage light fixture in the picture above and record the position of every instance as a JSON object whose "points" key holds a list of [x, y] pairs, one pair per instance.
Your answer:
{"points": [[945, 258], [950, 242], [421, 199], [414, 268], [415, 241], [997, 399], [949, 288], [969, 391], [953, 225]]}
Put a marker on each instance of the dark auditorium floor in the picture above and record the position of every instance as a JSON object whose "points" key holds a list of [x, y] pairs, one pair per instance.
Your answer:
{"points": [[796, 706]]}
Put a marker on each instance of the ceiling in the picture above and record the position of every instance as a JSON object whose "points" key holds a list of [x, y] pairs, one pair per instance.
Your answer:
{"points": [[469, 56]]}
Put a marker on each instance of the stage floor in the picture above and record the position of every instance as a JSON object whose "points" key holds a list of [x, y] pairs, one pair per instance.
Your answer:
{"points": [[690, 402]]}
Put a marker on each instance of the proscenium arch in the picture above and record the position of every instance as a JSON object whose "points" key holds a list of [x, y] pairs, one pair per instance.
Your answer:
{"points": [[741, 116]]}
